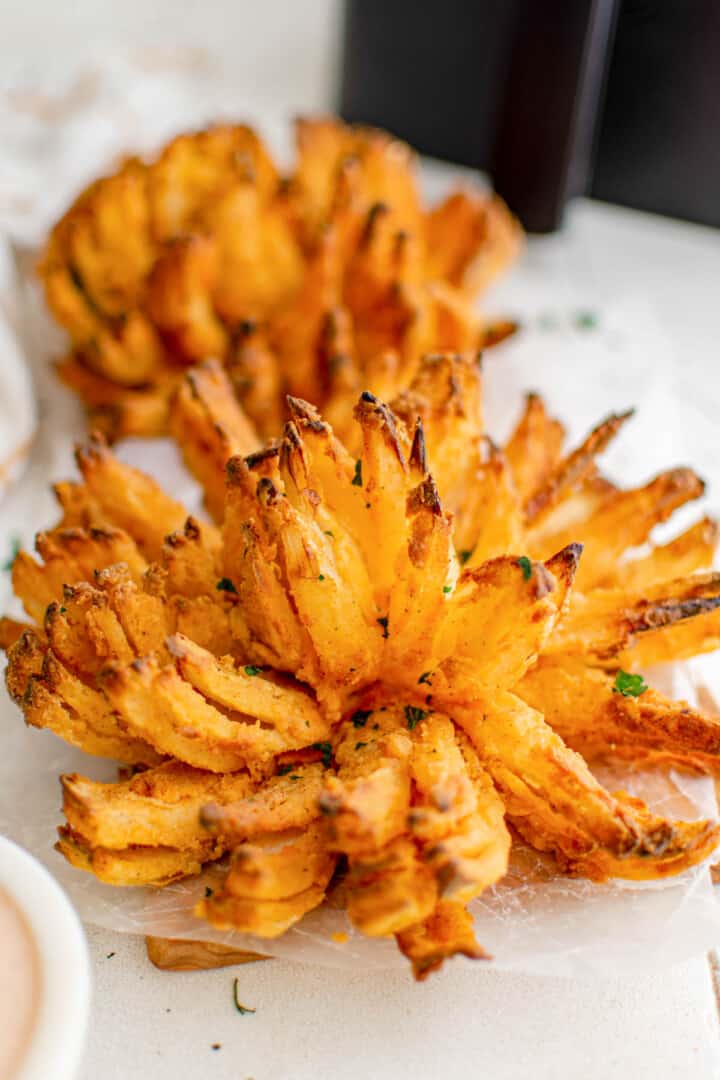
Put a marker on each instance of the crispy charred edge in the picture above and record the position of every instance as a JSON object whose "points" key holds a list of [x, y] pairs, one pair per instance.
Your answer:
{"points": [[245, 472], [293, 456], [191, 532], [371, 412], [373, 223], [267, 493], [563, 565], [660, 851], [92, 450], [439, 388], [653, 615], [25, 659], [543, 581], [259, 458], [307, 414], [573, 469], [418, 451], [424, 497], [195, 536], [493, 333], [684, 599]]}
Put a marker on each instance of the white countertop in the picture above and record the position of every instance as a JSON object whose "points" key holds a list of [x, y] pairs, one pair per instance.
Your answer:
{"points": [[315, 1024]]}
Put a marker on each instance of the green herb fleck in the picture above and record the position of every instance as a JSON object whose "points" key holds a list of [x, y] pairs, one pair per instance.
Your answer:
{"points": [[384, 623], [283, 770], [242, 1009], [110, 956], [325, 749], [359, 745], [321, 577], [360, 717], [526, 567], [328, 532], [15, 545], [425, 677], [413, 715], [629, 685], [447, 589], [208, 892], [294, 776], [251, 669], [226, 585], [586, 320], [463, 556], [357, 477], [62, 610], [547, 321]]}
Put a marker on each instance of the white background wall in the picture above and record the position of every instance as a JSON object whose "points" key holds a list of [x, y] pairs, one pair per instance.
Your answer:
{"points": [[281, 54]]}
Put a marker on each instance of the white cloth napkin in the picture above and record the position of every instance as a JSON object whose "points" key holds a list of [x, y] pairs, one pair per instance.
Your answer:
{"points": [[17, 401]]}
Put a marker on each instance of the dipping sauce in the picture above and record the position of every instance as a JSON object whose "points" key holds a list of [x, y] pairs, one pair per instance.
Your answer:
{"points": [[19, 987]]}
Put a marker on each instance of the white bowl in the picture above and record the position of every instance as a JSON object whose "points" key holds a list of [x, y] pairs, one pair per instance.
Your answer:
{"points": [[58, 1038]]}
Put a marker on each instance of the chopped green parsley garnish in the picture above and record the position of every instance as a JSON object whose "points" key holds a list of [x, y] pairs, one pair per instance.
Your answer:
{"points": [[360, 717], [586, 320], [629, 685], [413, 715], [242, 1009], [226, 585], [15, 545], [547, 321], [463, 556], [384, 623], [208, 892], [321, 577], [283, 770], [357, 476], [425, 677], [328, 532], [325, 749], [526, 567], [359, 745], [251, 669], [447, 589]]}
